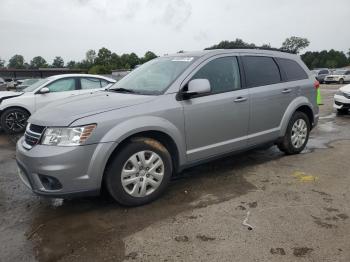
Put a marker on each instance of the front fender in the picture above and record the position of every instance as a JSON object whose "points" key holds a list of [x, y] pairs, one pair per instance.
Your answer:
{"points": [[293, 106], [127, 128]]}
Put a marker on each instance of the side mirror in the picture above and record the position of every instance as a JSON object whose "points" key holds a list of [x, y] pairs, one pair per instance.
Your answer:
{"points": [[44, 90], [197, 87]]}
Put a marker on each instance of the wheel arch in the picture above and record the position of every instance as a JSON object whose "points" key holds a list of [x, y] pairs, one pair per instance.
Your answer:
{"points": [[14, 107], [164, 138], [300, 104]]}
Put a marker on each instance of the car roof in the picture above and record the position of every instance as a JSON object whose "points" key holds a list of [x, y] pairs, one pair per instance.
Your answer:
{"points": [[234, 51], [80, 75]]}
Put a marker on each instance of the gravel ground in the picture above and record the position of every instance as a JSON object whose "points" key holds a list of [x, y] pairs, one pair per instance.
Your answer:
{"points": [[256, 206]]}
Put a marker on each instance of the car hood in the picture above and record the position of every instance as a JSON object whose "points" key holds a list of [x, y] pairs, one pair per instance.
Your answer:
{"points": [[345, 89], [66, 111], [9, 94]]}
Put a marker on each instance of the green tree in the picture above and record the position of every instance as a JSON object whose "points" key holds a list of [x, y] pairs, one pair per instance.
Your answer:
{"points": [[58, 62], [148, 56], [329, 59], [90, 56], [238, 43], [115, 61], [17, 61], [295, 44], [134, 60], [100, 69], [103, 57], [71, 64], [38, 62]]}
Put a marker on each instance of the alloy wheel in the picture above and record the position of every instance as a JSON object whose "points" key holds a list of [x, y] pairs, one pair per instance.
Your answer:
{"points": [[16, 121], [299, 133], [142, 173]]}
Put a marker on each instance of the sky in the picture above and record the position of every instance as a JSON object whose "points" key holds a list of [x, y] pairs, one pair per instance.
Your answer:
{"points": [[69, 28]]}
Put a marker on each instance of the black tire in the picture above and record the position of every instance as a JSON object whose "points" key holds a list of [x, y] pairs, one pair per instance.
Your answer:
{"points": [[14, 120], [286, 145], [341, 81], [113, 174]]}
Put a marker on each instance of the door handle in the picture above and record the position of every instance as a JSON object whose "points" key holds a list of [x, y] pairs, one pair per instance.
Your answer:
{"points": [[286, 91], [240, 99]]}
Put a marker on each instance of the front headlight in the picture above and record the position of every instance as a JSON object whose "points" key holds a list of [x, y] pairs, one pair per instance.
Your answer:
{"points": [[67, 136]]}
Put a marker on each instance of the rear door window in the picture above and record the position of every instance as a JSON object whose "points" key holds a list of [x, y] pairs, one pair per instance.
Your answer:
{"points": [[293, 70], [90, 83], [260, 71]]}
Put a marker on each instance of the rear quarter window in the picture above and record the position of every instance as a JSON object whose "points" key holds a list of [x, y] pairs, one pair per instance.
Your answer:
{"points": [[260, 71], [292, 69]]}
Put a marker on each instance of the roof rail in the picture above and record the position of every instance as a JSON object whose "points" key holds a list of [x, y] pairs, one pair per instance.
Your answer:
{"points": [[255, 47]]}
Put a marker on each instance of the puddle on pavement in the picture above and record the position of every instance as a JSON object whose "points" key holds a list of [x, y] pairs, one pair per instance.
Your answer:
{"points": [[330, 128]]}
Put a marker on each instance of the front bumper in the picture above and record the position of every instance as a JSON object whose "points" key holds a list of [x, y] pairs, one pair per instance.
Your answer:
{"points": [[341, 102], [78, 169]]}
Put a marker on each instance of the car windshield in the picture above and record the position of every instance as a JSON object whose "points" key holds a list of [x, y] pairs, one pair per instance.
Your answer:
{"points": [[339, 72], [154, 77], [29, 82], [34, 86]]}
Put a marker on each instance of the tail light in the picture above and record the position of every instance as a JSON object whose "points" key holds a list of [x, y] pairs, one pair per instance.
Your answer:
{"points": [[316, 84]]}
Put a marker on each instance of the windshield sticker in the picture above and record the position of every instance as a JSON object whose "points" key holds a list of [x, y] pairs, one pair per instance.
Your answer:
{"points": [[182, 59]]}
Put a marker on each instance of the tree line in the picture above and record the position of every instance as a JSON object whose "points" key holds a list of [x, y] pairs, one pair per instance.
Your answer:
{"points": [[104, 61], [327, 59]]}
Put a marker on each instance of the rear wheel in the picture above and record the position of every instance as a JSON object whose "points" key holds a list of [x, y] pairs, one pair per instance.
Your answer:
{"points": [[341, 81], [14, 120], [297, 134], [139, 172]]}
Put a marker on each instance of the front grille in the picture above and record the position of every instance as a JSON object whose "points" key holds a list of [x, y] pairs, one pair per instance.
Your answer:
{"points": [[36, 129], [32, 135]]}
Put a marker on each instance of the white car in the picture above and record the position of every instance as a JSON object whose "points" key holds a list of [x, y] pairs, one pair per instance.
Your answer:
{"points": [[339, 76], [342, 99], [16, 107]]}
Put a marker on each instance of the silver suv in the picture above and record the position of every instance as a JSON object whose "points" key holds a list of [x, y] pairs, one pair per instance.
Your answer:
{"points": [[170, 113]]}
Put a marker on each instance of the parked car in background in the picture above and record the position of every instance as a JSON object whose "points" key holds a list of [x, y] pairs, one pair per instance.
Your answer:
{"points": [[25, 83], [342, 99], [16, 107], [170, 113], [10, 84], [321, 73], [339, 76], [3, 84]]}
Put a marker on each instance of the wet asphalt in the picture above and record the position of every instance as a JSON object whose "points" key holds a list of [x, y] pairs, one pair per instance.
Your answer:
{"points": [[256, 206]]}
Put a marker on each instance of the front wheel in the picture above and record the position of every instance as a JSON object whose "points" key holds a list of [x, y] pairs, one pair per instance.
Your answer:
{"points": [[139, 172], [297, 134], [14, 120], [341, 81]]}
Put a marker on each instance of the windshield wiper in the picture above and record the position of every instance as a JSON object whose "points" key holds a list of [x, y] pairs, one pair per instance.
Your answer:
{"points": [[122, 90]]}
